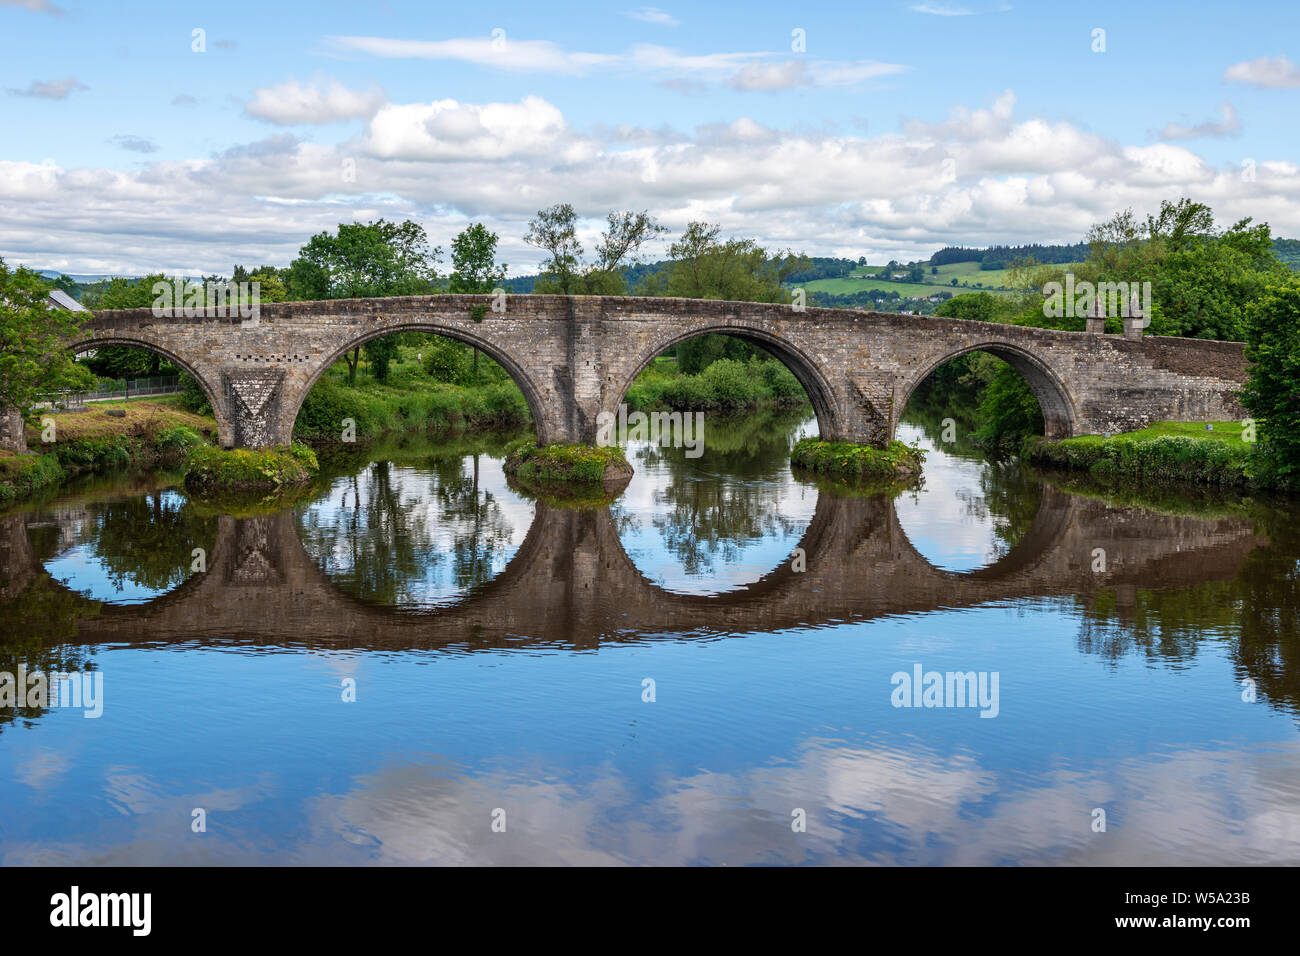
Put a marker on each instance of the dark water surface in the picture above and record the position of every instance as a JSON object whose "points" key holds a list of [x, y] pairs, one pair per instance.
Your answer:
{"points": [[501, 650]]}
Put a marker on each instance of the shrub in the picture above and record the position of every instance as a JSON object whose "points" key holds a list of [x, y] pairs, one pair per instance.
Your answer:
{"points": [[1272, 393], [210, 468], [564, 463], [847, 459], [730, 385]]}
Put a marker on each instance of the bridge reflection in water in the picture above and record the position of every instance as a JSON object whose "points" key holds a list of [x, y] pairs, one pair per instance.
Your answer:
{"points": [[572, 583]]}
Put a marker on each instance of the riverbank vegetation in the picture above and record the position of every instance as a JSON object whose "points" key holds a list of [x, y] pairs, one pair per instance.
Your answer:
{"points": [[842, 459], [556, 465], [1182, 452], [150, 433], [211, 469]]}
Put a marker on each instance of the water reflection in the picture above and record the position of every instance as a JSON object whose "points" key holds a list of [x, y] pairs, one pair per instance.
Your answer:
{"points": [[709, 524], [499, 646], [417, 529]]}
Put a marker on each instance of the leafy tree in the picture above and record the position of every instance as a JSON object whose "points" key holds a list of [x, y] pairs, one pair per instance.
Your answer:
{"points": [[702, 266], [33, 337], [366, 260], [1272, 393], [474, 267], [473, 262], [554, 231]]}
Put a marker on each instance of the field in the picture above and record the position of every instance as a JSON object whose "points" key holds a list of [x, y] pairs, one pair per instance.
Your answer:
{"points": [[969, 276]]}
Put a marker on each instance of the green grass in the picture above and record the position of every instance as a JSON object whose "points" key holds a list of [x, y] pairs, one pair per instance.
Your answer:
{"points": [[967, 274], [1164, 451], [559, 464], [849, 460], [249, 469]]}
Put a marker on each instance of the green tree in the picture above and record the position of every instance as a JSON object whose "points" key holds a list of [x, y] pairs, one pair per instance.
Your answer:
{"points": [[554, 231], [366, 260], [1272, 393], [703, 266], [33, 347], [474, 266]]}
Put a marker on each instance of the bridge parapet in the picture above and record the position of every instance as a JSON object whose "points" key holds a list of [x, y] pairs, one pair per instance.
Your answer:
{"points": [[574, 357]]}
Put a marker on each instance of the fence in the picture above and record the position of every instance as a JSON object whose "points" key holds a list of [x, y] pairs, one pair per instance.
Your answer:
{"points": [[128, 388]]}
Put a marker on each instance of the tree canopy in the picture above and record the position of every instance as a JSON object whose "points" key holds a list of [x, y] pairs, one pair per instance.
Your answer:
{"points": [[34, 358]]}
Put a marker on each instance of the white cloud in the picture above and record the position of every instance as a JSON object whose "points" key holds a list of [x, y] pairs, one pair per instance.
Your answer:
{"points": [[756, 70], [324, 100], [50, 89], [1230, 125], [653, 15], [940, 10], [37, 6], [503, 53], [1267, 72], [448, 130], [982, 176]]}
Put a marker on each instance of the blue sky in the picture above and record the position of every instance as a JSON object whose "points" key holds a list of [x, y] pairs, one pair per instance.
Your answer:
{"points": [[898, 128]]}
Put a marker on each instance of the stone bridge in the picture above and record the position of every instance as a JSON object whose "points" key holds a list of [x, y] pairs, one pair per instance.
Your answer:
{"points": [[575, 356], [571, 583]]}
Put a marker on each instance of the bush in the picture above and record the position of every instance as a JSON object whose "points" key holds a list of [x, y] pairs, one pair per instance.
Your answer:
{"points": [[1272, 393], [192, 397], [216, 469], [558, 463], [1162, 458], [846, 459]]}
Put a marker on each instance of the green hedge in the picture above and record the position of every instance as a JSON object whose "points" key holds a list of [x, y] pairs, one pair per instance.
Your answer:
{"points": [[377, 409]]}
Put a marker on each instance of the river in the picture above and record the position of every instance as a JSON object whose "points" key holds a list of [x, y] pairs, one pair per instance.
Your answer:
{"points": [[730, 664]]}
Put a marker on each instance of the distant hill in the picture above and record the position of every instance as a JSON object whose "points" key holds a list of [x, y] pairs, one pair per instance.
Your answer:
{"points": [[1288, 250]]}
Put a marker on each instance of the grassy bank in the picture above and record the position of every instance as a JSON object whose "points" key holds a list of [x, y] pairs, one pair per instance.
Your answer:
{"points": [[842, 459], [1165, 452], [726, 385], [209, 469], [152, 433], [556, 466]]}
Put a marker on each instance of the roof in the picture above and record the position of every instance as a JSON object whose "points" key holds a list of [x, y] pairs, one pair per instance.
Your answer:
{"points": [[62, 300]]}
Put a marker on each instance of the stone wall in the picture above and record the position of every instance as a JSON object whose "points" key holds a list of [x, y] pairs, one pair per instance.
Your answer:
{"points": [[575, 357], [11, 430]]}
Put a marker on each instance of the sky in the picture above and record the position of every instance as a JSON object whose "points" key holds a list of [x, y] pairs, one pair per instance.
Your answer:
{"points": [[189, 137]]}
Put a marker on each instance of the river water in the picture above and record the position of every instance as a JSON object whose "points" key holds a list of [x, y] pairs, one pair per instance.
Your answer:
{"points": [[730, 664]]}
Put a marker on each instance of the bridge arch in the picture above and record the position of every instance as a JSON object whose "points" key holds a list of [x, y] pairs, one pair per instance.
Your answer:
{"points": [[225, 433], [810, 375], [532, 395], [1059, 411]]}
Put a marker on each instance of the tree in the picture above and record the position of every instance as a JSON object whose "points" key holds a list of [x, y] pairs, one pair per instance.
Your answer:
{"points": [[1272, 392], [473, 262], [367, 260], [474, 267], [702, 266], [554, 231], [34, 358]]}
